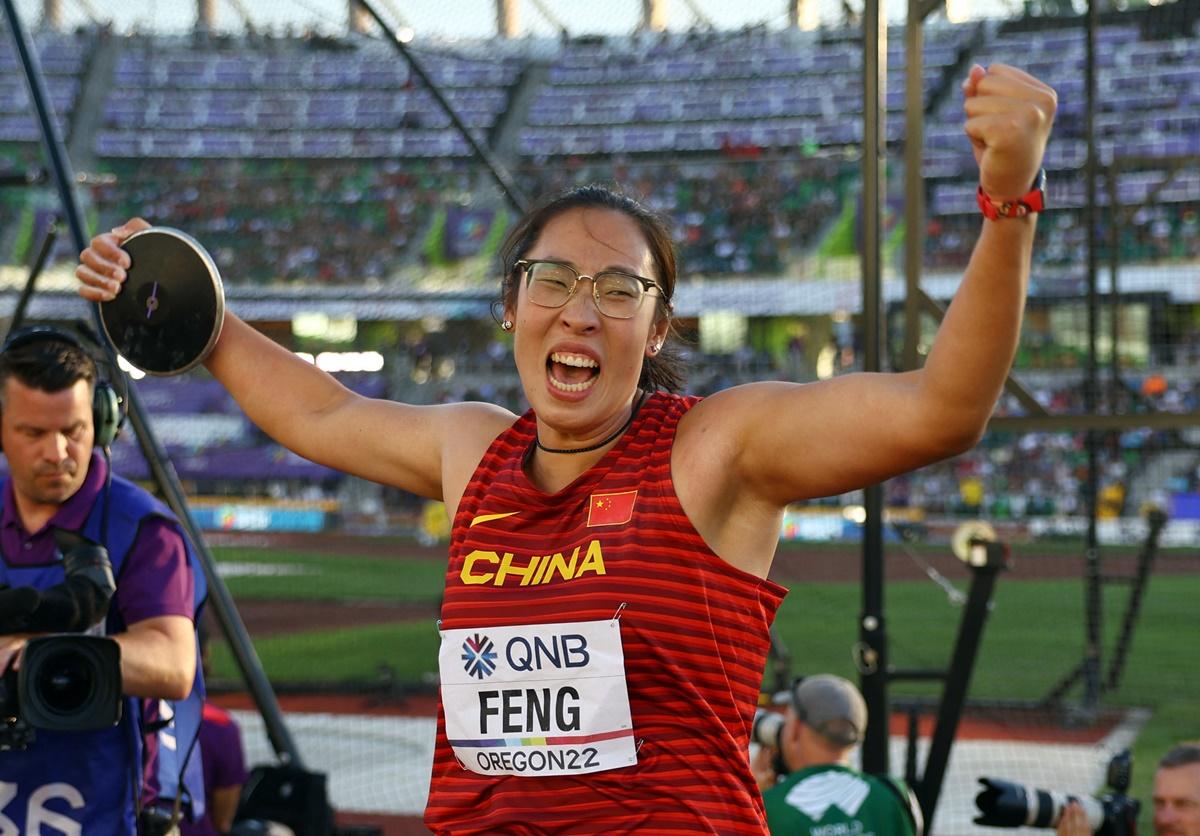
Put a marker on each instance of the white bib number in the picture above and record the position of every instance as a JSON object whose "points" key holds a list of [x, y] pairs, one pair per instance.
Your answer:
{"points": [[546, 699]]}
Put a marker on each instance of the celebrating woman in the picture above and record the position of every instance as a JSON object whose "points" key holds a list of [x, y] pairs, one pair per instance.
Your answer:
{"points": [[606, 612]]}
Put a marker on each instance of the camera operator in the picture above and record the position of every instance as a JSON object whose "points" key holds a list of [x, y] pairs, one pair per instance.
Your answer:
{"points": [[825, 721], [1176, 797], [89, 782]]}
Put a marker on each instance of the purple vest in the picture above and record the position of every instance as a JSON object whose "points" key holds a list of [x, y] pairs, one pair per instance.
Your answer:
{"points": [[95, 779]]}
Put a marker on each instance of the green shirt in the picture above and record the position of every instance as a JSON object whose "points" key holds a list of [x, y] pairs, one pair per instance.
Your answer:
{"points": [[832, 800]]}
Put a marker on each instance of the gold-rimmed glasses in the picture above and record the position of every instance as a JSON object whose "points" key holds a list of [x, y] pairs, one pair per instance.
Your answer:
{"points": [[551, 284]]}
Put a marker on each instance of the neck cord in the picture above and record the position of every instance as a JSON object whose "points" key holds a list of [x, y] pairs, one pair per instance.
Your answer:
{"points": [[621, 431]]}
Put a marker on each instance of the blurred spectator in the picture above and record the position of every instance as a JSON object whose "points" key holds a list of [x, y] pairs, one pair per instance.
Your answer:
{"points": [[224, 764]]}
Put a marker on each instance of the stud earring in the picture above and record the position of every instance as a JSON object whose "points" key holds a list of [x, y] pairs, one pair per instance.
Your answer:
{"points": [[506, 325]]}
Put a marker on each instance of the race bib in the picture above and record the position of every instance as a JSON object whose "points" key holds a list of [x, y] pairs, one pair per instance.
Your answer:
{"points": [[547, 699]]}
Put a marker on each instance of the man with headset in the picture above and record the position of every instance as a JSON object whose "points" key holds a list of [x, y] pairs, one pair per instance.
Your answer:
{"points": [[819, 793], [56, 419]]}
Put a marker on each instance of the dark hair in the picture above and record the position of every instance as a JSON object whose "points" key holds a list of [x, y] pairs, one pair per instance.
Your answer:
{"points": [[48, 364], [1184, 754], [663, 370]]}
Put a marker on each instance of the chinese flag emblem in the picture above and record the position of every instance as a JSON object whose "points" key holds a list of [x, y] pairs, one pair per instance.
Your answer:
{"points": [[611, 508]]}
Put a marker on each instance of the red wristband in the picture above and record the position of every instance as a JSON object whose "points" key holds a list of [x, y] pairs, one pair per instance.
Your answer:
{"points": [[1031, 202]]}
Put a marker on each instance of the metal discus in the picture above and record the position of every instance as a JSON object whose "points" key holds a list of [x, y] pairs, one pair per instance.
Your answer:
{"points": [[169, 313]]}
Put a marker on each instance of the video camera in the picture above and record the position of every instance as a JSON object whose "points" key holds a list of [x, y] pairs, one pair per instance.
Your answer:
{"points": [[1005, 804], [65, 683]]}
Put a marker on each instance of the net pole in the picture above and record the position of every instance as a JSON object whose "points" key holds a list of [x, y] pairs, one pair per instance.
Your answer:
{"points": [[1092, 568], [872, 627]]}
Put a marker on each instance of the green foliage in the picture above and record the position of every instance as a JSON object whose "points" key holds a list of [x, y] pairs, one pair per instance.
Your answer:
{"points": [[434, 247], [839, 241], [24, 239], [495, 237]]}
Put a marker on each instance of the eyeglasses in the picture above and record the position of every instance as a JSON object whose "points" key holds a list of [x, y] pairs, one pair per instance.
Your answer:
{"points": [[552, 284]]}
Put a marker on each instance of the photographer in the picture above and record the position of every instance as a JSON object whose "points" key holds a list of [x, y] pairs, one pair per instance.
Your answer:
{"points": [[1176, 797], [825, 721], [88, 782]]}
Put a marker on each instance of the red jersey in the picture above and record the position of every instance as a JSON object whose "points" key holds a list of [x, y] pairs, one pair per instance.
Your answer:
{"points": [[615, 544]]}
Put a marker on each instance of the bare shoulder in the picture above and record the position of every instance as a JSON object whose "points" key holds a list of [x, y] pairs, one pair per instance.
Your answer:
{"points": [[722, 418], [719, 492], [469, 427], [468, 430]]}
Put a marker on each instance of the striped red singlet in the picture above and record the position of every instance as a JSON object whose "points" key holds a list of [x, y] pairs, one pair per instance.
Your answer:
{"points": [[694, 630]]}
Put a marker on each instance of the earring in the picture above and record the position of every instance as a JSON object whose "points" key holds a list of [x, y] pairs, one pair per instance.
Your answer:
{"points": [[654, 349], [506, 325]]}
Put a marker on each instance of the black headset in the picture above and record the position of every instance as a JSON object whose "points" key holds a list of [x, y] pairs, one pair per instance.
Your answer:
{"points": [[108, 406]]}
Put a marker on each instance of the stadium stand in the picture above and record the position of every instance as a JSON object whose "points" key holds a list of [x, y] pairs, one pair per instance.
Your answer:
{"points": [[321, 161]]}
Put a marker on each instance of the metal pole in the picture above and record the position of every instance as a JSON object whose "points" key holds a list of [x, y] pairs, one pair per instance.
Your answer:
{"points": [[164, 473], [962, 663], [516, 197], [1092, 602], [914, 182], [872, 629], [38, 265]]}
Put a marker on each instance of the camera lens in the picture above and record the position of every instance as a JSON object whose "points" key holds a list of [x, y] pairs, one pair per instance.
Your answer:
{"points": [[71, 683], [767, 729], [66, 682], [1005, 804]]}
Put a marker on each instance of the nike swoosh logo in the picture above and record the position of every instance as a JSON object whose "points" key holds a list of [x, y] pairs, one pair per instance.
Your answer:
{"points": [[482, 518]]}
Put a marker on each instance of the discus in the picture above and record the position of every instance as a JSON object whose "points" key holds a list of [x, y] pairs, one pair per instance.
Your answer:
{"points": [[169, 313]]}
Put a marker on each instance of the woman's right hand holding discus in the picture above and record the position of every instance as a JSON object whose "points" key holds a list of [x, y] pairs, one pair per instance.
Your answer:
{"points": [[102, 265]]}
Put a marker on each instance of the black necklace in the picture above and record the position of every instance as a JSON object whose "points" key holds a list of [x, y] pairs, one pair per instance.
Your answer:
{"points": [[567, 451]]}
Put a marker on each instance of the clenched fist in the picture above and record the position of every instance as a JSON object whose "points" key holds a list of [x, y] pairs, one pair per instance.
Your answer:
{"points": [[1009, 114]]}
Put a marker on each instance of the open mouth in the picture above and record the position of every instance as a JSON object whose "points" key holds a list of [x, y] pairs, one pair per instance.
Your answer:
{"points": [[571, 372]]}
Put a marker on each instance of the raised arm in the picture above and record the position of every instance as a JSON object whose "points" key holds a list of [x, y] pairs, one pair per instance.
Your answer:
{"points": [[310, 413], [792, 442]]}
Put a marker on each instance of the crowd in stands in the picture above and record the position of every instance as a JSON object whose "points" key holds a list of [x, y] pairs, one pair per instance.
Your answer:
{"points": [[325, 162], [750, 216], [1007, 476], [334, 222], [1155, 233], [324, 159]]}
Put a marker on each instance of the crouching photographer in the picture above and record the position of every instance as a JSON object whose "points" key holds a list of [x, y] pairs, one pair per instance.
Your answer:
{"points": [[63, 517], [1006, 804], [803, 767]]}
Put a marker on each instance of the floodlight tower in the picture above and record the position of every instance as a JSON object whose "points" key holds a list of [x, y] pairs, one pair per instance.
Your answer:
{"points": [[958, 11], [206, 15], [52, 13], [654, 15], [507, 22], [358, 20], [803, 14]]}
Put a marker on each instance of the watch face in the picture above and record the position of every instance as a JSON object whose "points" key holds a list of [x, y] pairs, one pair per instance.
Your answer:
{"points": [[169, 313]]}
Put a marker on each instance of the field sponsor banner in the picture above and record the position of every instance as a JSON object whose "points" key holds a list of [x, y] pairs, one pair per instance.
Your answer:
{"points": [[234, 517]]}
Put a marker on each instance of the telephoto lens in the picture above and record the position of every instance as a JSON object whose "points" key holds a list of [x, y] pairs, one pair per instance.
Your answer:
{"points": [[767, 729], [1005, 804]]}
